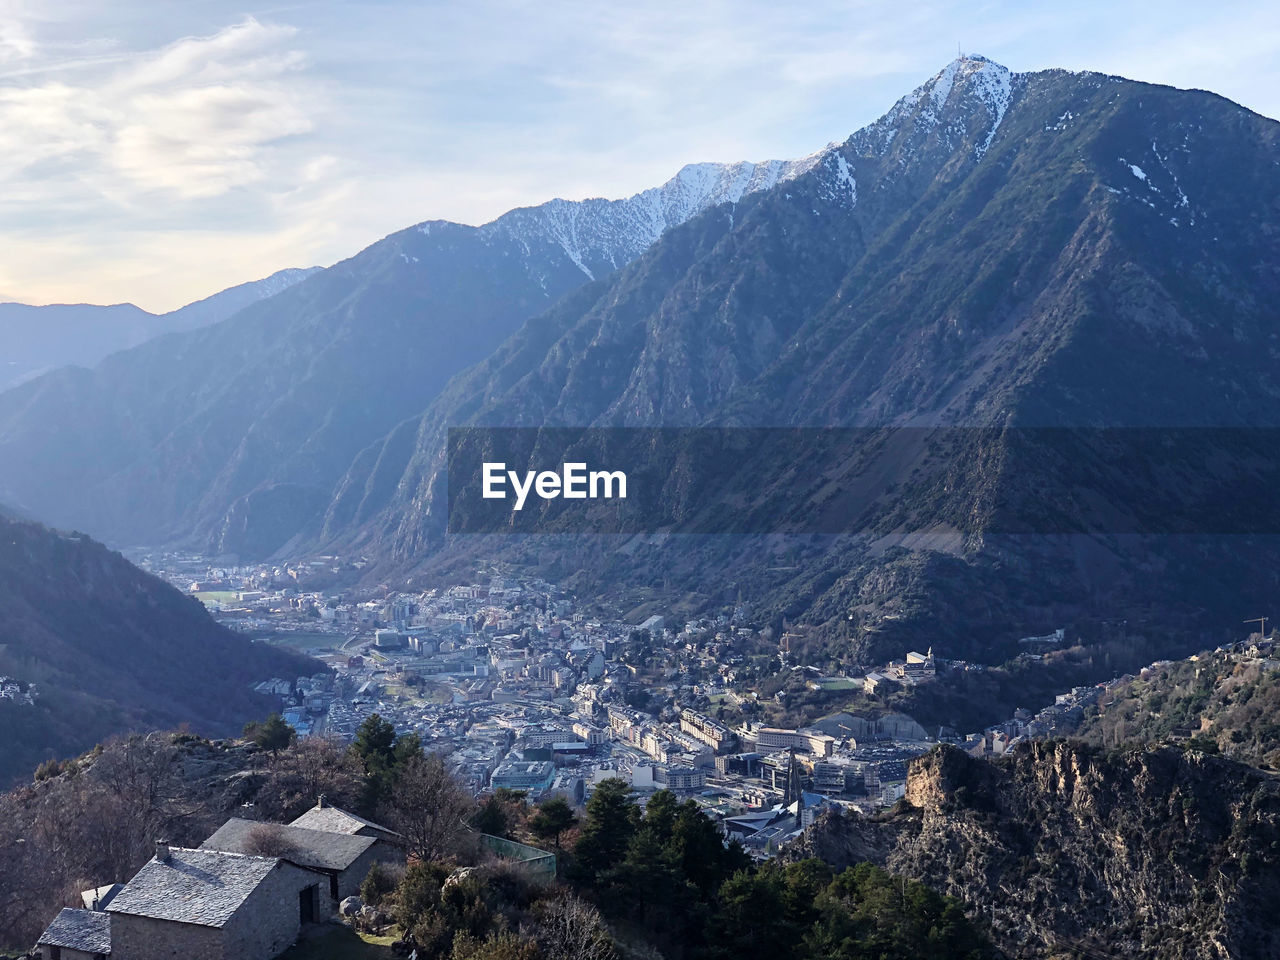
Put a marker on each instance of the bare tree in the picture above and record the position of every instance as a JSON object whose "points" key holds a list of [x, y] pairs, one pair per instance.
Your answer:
{"points": [[269, 840], [572, 929], [429, 808], [94, 824], [296, 777]]}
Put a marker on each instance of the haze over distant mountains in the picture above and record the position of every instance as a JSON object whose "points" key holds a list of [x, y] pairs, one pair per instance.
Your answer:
{"points": [[34, 340], [999, 249], [231, 437]]}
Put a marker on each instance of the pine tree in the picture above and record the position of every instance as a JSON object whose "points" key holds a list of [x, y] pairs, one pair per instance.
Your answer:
{"points": [[272, 734], [553, 818], [610, 824]]}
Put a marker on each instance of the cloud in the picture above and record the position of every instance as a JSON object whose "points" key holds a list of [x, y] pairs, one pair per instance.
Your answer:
{"points": [[156, 167], [197, 118], [157, 152]]}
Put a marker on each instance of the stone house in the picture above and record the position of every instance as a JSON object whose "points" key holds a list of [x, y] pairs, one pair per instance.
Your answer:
{"points": [[245, 894], [76, 935], [214, 905], [343, 858]]}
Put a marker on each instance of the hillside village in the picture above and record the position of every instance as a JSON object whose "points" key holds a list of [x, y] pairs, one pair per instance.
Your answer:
{"points": [[251, 888], [16, 691]]}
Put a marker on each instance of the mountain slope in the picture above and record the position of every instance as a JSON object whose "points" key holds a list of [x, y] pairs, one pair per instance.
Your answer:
{"points": [[231, 437], [37, 339], [999, 250], [1226, 699], [227, 302], [110, 648]]}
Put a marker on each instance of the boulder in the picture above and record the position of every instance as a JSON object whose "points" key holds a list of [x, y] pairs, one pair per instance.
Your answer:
{"points": [[458, 876]]}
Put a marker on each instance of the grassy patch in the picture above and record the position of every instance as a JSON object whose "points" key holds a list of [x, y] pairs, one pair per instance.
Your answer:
{"points": [[836, 684], [306, 641], [341, 943], [211, 597]]}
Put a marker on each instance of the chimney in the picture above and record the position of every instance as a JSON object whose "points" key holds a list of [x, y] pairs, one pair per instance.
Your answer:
{"points": [[162, 851], [320, 802]]}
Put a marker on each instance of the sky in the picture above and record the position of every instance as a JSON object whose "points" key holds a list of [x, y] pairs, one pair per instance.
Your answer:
{"points": [[156, 152]]}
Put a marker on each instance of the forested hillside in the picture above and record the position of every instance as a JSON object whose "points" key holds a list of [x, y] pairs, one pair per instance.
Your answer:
{"points": [[1224, 701]]}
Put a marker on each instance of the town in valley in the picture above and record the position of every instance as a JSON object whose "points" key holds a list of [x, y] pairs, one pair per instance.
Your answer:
{"points": [[521, 689]]}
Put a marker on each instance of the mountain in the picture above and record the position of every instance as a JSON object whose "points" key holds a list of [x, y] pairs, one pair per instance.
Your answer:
{"points": [[1072, 851], [38, 339], [91, 646], [223, 304], [231, 437], [1000, 251]]}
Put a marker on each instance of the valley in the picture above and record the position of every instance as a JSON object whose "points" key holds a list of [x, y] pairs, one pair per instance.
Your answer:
{"points": [[862, 542]]}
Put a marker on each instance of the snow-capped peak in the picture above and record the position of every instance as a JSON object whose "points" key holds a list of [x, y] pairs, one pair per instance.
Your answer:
{"points": [[613, 232], [943, 99], [598, 234]]}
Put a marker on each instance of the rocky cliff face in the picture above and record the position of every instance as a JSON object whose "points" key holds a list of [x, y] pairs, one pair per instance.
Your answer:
{"points": [[1070, 851]]}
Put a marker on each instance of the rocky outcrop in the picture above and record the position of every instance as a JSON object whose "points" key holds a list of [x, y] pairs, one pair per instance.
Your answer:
{"points": [[1068, 850]]}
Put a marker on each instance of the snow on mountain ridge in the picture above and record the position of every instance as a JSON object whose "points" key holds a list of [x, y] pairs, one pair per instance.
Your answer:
{"points": [[968, 76], [597, 235], [614, 232]]}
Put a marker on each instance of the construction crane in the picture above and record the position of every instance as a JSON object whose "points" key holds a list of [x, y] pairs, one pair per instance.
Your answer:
{"points": [[1262, 625]]}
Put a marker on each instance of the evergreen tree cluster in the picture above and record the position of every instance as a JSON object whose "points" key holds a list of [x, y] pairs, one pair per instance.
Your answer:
{"points": [[659, 880], [665, 875]]}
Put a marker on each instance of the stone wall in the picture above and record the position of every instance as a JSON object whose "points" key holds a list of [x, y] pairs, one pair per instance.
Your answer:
{"points": [[350, 879], [145, 938], [269, 921], [43, 952]]}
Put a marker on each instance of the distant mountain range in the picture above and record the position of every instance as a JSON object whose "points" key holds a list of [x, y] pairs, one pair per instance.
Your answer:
{"points": [[34, 340], [110, 648], [232, 437], [999, 250]]}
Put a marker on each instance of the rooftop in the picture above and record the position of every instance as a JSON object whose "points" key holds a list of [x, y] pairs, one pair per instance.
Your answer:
{"points": [[336, 820], [324, 849], [203, 887], [86, 930], [99, 897]]}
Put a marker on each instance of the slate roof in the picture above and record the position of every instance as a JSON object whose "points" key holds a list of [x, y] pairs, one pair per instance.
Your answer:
{"points": [[203, 887], [335, 820], [307, 848], [87, 930]]}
